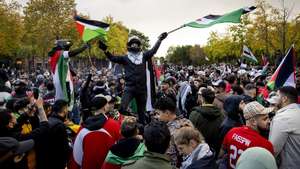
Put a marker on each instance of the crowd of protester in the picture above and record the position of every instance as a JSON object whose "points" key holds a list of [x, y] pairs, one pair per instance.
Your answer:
{"points": [[207, 117]]}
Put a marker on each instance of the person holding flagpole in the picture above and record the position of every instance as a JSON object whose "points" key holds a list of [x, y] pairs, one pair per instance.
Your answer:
{"points": [[135, 72], [61, 71]]}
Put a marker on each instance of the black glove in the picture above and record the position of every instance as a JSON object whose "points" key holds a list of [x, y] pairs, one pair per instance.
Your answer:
{"points": [[163, 36], [102, 45]]}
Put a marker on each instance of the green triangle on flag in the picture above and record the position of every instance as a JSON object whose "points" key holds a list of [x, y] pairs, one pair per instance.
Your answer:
{"points": [[210, 20]]}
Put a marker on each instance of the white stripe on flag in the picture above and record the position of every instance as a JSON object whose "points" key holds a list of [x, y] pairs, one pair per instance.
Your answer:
{"points": [[148, 81], [204, 21], [92, 27]]}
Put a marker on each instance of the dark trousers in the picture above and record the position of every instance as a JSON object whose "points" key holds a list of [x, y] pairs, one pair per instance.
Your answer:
{"points": [[140, 97]]}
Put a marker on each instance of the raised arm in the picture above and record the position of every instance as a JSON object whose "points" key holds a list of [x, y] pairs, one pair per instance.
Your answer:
{"points": [[112, 58], [150, 53], [78, 50]]}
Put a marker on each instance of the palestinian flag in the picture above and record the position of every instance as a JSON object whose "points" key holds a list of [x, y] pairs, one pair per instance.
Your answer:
{"points": [[209, 20], [151, 82], [91, 29], [285, 74], [248, 54], [62, 77]]}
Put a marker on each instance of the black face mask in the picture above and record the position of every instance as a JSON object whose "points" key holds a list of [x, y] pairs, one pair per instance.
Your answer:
{"points": [[134, 49]]}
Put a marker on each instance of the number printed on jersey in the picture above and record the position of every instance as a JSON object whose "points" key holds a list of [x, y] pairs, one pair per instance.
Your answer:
{"points": [[234, 155]]}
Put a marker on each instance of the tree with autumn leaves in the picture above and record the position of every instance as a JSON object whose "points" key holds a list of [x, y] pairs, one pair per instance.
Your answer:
{"points": [[33, 30], [267, 31], [30, 31]]}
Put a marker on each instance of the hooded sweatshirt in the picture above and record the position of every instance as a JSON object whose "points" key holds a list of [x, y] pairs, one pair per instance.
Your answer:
{"points": [[124, 151], [93, 142], [233, 119], [207, 119]]}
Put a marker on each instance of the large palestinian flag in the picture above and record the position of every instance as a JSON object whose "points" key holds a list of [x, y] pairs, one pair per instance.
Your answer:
{"points": [[209, 20], [91, 29], [285, 74], [62, 77]]}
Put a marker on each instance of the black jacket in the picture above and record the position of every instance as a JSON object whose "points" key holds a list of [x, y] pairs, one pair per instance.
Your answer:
{"points": [[85, 99], [207, 119], [208, 162], [234, 115], [56, 149], [135, 75]]}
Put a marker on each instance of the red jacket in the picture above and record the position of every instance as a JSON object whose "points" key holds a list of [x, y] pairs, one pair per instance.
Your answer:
{"points": [[91, 146]]}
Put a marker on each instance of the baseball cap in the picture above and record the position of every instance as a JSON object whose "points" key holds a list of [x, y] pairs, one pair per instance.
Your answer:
{"points": [[8, 144], [254, 108], [100, 101], [107, 97], [219, 83], [19, 82]]}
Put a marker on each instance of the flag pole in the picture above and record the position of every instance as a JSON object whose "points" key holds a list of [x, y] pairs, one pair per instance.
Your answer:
{"points": [[89, 54], [176, 29]]}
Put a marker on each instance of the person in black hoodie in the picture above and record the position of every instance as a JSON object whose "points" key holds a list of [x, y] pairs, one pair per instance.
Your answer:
{"points": [[135, 64], [56, 148], [234, 116], [207, 118]]}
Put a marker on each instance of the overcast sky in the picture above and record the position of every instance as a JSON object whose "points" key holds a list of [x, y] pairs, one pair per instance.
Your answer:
{"points": [[153, 17]]}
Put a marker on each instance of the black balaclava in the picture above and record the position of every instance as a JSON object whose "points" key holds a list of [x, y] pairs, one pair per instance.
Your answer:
{"points": [[134, 44]]}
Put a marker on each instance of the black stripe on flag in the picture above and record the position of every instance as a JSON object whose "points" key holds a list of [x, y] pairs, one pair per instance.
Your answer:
{"points": [[213, 17], [248, 9], [92, 22], [247, 53], [286, 69]]}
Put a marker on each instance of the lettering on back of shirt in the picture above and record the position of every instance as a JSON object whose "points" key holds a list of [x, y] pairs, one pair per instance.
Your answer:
{"points": [[241, 139]]}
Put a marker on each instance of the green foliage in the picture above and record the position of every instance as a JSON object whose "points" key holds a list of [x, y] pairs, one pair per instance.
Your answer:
{"points": [[117, 38], [45, 20], [186, 55], [11, 28]]}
